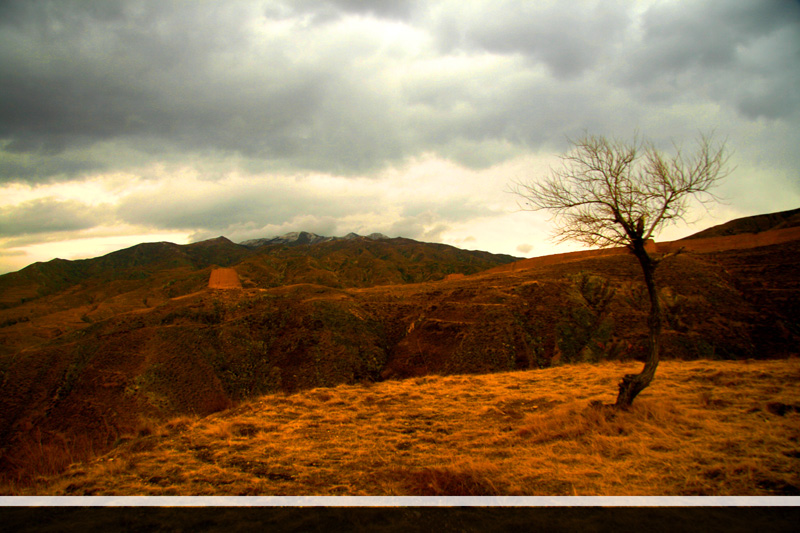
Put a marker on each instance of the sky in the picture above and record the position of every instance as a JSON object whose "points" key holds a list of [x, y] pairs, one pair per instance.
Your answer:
{"points": [[138, 121]]}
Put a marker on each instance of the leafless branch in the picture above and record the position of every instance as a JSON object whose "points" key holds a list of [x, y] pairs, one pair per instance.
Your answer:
{"points": [[612, 193]]}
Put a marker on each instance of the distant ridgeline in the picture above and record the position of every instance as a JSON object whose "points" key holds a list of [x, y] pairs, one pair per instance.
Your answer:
{"points": [[754, 224], [350, 261], [305, 237]]}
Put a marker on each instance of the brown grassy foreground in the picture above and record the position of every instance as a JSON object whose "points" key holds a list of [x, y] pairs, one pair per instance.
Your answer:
{"points": [[702, 428]]}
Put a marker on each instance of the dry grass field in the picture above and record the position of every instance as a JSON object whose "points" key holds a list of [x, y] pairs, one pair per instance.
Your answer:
{"points": [[702, 428]]}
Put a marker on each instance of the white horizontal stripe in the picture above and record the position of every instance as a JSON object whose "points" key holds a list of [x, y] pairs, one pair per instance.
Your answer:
{"points": [[401, 501]]}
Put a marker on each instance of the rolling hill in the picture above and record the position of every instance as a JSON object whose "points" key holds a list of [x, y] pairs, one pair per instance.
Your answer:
{"points": [[102, 345], [351, 261], [753, 224]]}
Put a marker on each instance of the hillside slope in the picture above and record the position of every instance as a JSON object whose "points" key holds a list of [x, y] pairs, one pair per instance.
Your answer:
{"points": [[702, 428], [91, 361], [207, 351], [47, 300], [361, 262], [136, 264], [753, 224]]}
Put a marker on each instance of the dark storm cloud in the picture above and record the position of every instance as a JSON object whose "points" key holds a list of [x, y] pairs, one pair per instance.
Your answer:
{"points": [[710, 35], [48, 215], [743, 54], [17, 165], [61, 86], [393, 9], [245, 117], [567, 40], [188, 76], [193, 77], [321, 85]]}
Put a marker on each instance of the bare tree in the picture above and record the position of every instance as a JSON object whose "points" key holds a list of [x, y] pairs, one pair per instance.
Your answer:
{"points": [[614, 193]]}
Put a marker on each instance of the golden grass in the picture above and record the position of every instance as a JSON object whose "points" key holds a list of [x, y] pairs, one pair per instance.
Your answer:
{"points": [[702, 428]]}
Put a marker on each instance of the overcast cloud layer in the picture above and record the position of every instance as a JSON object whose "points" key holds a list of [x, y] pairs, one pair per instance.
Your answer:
{"points": [[123, 122]]}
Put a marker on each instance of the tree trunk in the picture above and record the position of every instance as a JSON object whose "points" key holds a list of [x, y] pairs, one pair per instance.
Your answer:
{"points": [[632, 384]]}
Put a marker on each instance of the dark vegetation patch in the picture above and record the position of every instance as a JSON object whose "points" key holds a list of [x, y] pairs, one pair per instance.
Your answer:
{"points": [[450, 481], [782, 409]]}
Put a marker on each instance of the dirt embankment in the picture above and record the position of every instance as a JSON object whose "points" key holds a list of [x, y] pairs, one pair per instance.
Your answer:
{"points": [[224, 278]]}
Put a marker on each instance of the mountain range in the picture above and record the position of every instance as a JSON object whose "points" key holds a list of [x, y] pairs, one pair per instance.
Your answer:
{"points": [[304, 237], [293, 258], [91, 348]]}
